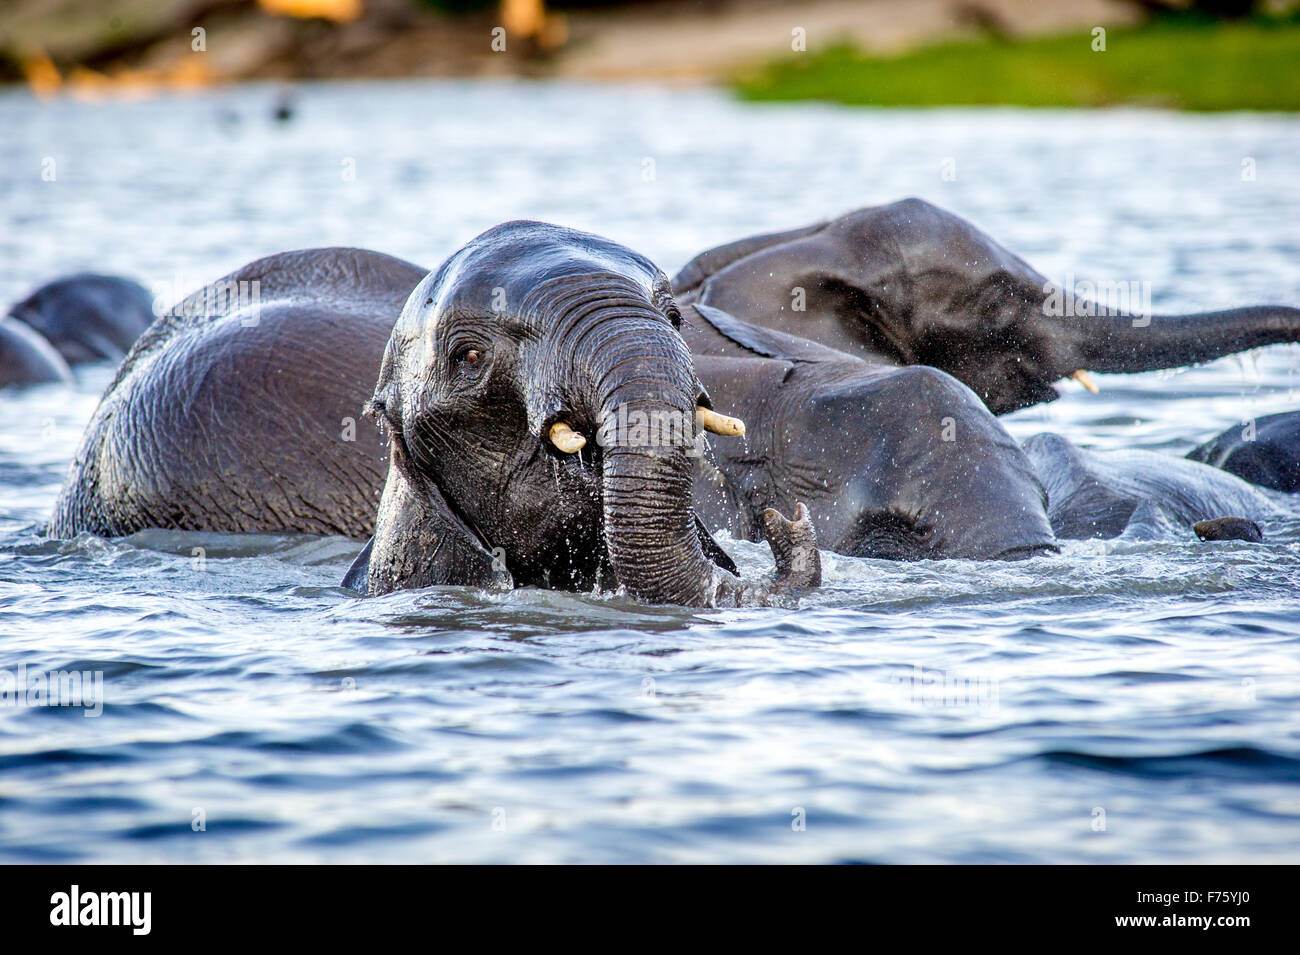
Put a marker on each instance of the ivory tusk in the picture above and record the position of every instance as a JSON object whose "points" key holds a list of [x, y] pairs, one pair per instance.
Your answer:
{"points": [[1085, 379], [710, 420], [565, 438]]}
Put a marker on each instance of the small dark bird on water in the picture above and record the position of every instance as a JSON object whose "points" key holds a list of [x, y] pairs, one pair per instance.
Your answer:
{"points": [[284, 106]]}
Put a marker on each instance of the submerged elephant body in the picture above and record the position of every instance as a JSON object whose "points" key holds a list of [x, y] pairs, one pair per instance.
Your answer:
{"points": [[323, 323], [88, 317], [952, 483], [1264, 452], [1105, 494], [72, 320], [26, 358], [522, 346], [247, 418]]}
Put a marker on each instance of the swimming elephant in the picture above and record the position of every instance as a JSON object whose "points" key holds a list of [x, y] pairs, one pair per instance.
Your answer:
{"points": [[26, 358], [1264, 452], [240, 409], [896, 463], [240, 417], [911, 284], [88, 317], [1144, 494], [230, 416], [503, 369]]}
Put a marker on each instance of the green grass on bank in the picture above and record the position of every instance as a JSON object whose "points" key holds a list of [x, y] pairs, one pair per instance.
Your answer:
{"points": [[1178, 65]]}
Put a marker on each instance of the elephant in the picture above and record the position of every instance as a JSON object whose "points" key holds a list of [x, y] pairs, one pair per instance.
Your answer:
{"points": [[80, 318], [503, 366], [948, 482], [241, 412], [26, 358], [88, 317], [1144, 494], [910, 284], [242, 416], [1264, 452]]}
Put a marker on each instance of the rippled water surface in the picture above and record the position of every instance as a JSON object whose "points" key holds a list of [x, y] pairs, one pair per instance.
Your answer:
{"points": [[1124, 701]]}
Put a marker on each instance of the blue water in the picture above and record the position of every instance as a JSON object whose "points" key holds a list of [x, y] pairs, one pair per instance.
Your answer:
{"points": [[1124, 701]]}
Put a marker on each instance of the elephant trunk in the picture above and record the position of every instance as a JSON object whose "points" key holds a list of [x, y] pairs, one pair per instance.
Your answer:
{"points": [[1125, 343], [650, 528], [641, 390]]}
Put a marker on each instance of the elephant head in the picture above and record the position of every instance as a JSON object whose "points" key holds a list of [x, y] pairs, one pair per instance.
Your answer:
{"points": [[911, 284], [498, 386]]}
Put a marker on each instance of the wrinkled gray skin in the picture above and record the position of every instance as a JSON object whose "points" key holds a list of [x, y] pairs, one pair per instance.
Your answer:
{"points": [[250, 422], [248, 418], [1264, 452], [896, 463], [1142, 494], [529, 325], [26, 358], [910, 284]]}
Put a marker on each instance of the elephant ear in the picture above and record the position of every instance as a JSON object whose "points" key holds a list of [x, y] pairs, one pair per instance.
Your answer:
{"points": [[711, 549], [358, 576], [699, 269], [765, 341]]}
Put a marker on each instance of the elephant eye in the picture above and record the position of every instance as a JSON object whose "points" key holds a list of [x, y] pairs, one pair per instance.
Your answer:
{"points": [[468, 357]]}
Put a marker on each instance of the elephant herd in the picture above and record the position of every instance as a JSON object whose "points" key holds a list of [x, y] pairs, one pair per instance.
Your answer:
{"points": [[552, 411]]}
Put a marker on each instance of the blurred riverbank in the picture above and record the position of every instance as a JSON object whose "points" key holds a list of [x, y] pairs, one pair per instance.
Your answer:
{"points": [[112, 46]]}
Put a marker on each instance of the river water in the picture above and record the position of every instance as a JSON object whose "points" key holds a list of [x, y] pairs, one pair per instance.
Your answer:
{"points": [[1126, 701]]}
